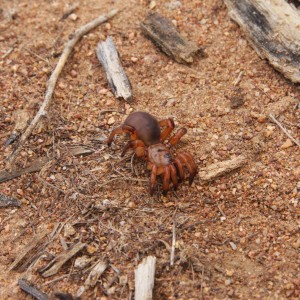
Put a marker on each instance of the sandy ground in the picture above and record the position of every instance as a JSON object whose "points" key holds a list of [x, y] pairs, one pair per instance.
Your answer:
{"points": [[236, 237]]}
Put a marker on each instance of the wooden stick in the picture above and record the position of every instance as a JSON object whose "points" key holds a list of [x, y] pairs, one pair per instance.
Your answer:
{"points": [[284, 130], [215, 170], [119, 83], [272, 27], [164, 34], [144, 279], [95, 273], [35, 166], [43, 111], [27, 250], [54, 266], [32, 290]]}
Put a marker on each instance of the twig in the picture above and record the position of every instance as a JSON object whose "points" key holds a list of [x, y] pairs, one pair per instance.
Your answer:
{"points": [[8, 52], [55, 280], [238, 79], [284, 130], [38, 56], [35, 166], [54, 77], [55, 265], [69, 11], [31, 290], [173, 244], [221, 211], [51, 185], [202, 279]]}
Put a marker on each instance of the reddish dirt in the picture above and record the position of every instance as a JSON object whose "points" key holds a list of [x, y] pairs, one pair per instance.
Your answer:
{"points": [[236, 237]]}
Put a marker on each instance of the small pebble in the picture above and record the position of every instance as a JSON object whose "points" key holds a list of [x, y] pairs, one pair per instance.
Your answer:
{"points": [[134, 59], [73, 17], [233, 245], [173, 5], [73, 73], [171, 102], [152, 4], [20, 192], [229, 272], [91, 249], [131, 35], [103, 91], [111, 121], [131, 204], [287, 144], [107, 26]]}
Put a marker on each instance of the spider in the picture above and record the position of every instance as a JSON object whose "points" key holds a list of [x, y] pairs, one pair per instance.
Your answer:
{"points": [[149, 142]]}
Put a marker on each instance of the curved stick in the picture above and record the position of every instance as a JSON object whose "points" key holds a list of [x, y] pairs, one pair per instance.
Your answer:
{"points": [[54, 77]]}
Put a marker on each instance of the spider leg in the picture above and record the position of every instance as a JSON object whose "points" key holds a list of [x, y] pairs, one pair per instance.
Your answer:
{"points": [[188, 161], [166, 180], [173, 176], [153, 179], [176, 137], [191, 160], [122, 129], [180, 168], [137, 145], [169, 124]]}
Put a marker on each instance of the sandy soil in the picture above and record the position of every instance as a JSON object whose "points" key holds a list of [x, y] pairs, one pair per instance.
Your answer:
{"points": [[236, 237]]}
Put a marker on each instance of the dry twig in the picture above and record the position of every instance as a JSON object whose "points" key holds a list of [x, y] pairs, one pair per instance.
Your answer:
{"points": [[54, 266], [284, 130], [213, 171], [28, 250], [173, 244], [43, 111], [31, 290]]}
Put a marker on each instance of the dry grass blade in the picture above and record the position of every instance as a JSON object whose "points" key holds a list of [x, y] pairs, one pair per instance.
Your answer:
{"points": [[284, 130]]}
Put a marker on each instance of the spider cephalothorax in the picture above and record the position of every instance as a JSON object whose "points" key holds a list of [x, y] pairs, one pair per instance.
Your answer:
{"points": [[148, 142]]}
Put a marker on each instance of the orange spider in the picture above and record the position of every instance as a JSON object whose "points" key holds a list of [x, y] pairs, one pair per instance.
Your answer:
{"points": [[147, 141]]}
